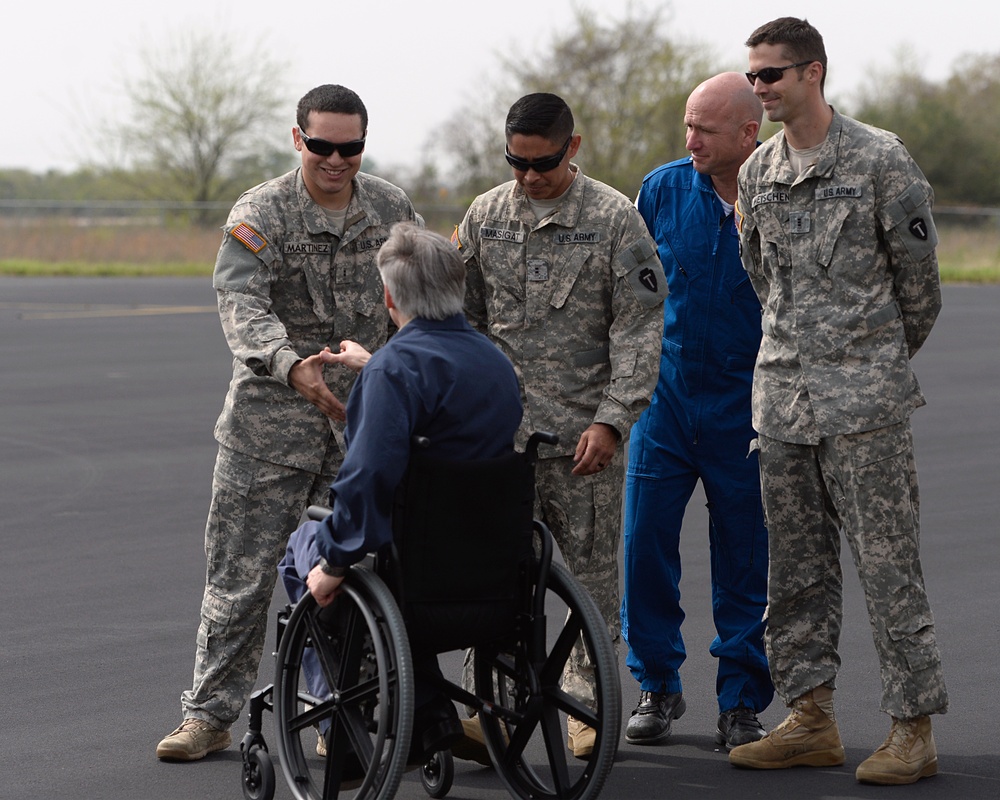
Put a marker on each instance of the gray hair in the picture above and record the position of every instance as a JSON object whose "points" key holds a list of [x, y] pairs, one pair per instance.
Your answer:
{"points": [[423, 271]]}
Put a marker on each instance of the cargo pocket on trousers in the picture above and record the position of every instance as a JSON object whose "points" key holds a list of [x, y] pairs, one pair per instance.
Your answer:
{"points": [[226, 530], [913, 629], [216, 613]]}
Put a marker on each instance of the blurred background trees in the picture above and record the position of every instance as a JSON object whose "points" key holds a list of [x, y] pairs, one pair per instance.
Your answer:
{"points": [[206, 116]]}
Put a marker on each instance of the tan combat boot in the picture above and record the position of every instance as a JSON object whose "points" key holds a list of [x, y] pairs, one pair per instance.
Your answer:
{"points": [[906, 756], [808, 737]]}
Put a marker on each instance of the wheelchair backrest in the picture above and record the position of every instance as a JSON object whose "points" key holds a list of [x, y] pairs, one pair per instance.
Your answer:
{"points": [[463, 540]]}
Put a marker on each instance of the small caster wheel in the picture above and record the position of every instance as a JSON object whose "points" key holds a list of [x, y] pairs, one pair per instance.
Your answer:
{"points": [[438, 774], [258, 775]]}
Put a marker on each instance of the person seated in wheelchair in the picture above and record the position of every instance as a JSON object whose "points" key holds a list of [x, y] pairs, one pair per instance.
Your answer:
{"points": [[436, 378]]}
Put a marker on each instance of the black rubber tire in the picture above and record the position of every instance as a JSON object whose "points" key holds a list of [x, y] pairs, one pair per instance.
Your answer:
{"points": [[526, 735], [368, 711], [438, 774], [258, 775]]}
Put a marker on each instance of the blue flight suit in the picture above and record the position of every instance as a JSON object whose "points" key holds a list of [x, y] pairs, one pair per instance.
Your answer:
{"points": [[697, 426]]}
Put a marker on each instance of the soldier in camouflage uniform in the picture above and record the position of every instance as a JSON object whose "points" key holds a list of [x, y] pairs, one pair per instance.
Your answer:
{"points": [[839, 243], [565, 278], [295, 274]]}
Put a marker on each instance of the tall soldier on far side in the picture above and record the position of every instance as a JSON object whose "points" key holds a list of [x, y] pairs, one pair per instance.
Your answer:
{"points": [[839, 242], [564, 276]]}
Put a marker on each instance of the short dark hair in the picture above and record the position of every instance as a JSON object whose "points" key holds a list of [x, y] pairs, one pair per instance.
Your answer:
{"points": [[798, 40], [540, 114], [330, 98]]}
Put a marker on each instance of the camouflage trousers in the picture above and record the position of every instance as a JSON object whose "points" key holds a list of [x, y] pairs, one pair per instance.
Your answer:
{"points": [[866, 485], [255, 507], [584, 515]]}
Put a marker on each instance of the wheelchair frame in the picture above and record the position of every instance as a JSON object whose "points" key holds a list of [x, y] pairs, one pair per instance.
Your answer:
{"points": [[362, 648]]}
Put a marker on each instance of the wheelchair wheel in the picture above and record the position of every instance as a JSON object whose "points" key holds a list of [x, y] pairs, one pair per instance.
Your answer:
{"points": [[438, 774], [258, 775], [344, 674], [526, 730]]}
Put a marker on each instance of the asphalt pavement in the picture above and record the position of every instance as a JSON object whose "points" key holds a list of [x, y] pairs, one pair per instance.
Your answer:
{"points": [[109, 391]]}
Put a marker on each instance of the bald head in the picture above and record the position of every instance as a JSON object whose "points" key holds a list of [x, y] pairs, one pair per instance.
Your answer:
{"points": [[722, 118], [732, 94]]}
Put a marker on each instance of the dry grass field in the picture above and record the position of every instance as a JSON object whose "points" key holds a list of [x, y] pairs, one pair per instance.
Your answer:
{"points": [[966, 253]]}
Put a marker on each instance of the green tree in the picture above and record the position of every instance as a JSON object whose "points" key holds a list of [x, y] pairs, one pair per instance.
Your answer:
{"points": [[202, 117], [626, 81], [949, 128]]}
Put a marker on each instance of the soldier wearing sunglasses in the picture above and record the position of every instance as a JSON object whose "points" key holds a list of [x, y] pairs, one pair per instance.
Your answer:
{"points": [[295, 275], [564, 277], [838, 239]]}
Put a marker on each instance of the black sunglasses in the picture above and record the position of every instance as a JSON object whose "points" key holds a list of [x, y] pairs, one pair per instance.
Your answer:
{"points": [[546, 164], [322, 147], [773, 74]]}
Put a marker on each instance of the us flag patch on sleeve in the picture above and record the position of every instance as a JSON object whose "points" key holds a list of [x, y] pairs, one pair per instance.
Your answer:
{"points": [[250, 238]]}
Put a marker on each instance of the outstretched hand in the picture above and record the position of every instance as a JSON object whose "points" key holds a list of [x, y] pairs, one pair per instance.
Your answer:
{"points": [[306, 377], [352, 355]]}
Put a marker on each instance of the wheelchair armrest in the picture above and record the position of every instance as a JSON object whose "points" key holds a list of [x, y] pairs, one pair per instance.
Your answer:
{"points": [[539, 437], [318, 513]]}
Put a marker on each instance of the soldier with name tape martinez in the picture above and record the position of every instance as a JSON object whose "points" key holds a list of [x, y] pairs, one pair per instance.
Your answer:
{"points": [[839, 242], [564, 276], [295, 275]]}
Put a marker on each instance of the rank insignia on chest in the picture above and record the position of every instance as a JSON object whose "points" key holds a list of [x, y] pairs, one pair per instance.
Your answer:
{"points": [[798, 222], [252, 240], [537, 269]]}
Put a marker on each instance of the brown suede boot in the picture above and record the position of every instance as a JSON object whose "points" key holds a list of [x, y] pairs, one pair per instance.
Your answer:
{"points": [[906, 756], [807, 738]]}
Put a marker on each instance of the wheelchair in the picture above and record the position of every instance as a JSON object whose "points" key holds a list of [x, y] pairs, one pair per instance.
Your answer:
{"points": [[469, 568]]}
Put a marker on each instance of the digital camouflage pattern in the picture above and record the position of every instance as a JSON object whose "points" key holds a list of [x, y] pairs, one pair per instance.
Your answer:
{"points": [[305, 290], [874, 499], [255, 506], [287, 286], [574, 300], [843, 260]]}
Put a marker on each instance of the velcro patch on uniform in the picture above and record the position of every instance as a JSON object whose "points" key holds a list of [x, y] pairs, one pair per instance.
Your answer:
{"points": [[833, 192], [775, 196], [252, 240], [502, 235], [577, 237]]}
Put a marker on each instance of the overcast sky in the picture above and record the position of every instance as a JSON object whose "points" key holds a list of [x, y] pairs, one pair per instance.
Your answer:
{"points": [[414, 64]]}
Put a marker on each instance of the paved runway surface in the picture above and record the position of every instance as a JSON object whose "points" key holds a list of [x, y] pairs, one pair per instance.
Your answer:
{"points": [[110, 389]]}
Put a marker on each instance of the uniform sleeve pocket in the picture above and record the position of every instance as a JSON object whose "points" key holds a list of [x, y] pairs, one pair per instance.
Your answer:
{"points": [[909, 215]]}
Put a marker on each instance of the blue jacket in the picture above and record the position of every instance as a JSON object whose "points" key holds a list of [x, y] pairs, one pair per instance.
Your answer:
{"points": [[439, 379], [711, 318]]}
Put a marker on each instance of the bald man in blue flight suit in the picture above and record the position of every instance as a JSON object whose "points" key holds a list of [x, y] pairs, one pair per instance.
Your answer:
{"points": [[698, 427]]}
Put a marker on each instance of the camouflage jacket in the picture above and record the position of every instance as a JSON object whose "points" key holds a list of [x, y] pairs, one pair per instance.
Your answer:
{"points": [[843, 260], [574, 300], [288, 287]]}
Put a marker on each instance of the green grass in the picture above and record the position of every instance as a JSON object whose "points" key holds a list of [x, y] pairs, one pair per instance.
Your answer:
{"points": [[959, 274], [951, 271], [82, 269]]}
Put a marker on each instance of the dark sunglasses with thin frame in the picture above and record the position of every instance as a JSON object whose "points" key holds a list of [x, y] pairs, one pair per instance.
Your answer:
{"points": [[546, 164], [773, 74], [322, 147]]}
